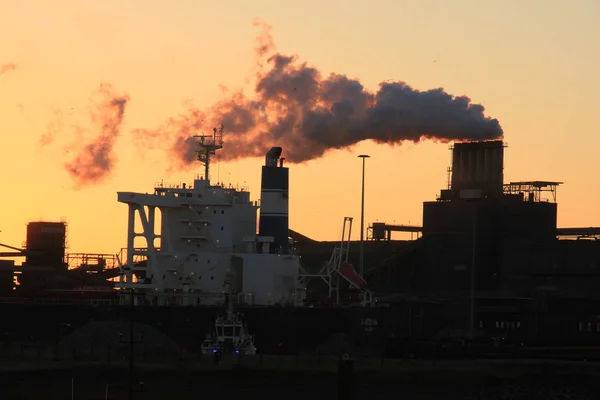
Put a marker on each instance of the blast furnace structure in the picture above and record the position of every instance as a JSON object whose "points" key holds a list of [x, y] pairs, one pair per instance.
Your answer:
{"points": [[492, 251]]}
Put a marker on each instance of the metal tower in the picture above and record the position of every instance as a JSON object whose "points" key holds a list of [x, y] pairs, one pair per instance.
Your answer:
{"points": [[208, 147]]}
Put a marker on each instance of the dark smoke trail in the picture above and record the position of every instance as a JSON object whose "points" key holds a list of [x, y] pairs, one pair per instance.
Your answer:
{"points": [[94, 161], [264, 41], [4, 68], [176, 135], [295, 107], [54, 128]]}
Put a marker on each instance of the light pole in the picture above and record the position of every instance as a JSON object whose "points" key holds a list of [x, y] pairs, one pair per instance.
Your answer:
{"points": [[362, 218], [473, 266]]}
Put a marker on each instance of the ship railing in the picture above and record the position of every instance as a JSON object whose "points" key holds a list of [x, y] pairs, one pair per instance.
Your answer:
{"points": [[124, 291], [92, 261], [161, 185], [59, 301], [195, 298]]}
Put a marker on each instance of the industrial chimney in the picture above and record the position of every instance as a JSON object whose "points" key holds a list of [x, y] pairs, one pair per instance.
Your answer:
{"points": [[274, 204], [479, 166]]}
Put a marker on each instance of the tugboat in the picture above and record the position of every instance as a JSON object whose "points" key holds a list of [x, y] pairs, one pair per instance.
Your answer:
{"points": [[230, 335]]}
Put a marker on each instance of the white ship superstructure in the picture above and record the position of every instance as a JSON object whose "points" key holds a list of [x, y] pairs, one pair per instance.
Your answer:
{"points": [[207, 232]]}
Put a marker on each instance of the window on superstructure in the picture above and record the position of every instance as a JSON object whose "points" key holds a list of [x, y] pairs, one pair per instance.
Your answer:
{"points": [[214, 211], [222, 228], [222, 211]]}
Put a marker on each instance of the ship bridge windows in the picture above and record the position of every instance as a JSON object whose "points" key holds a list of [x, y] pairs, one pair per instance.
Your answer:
{"points": [[228, 331], [504, 325]]}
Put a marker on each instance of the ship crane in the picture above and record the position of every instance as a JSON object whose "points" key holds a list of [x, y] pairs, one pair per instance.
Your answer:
{"points": [[338, 268]]}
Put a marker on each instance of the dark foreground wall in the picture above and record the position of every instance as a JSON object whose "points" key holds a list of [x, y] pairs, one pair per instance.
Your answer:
{"points": [[415, 382], [276, 329]]}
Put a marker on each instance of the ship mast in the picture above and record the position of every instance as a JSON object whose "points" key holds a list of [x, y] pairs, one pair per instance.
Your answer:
{"points": [[229, 296], [208, 147]]}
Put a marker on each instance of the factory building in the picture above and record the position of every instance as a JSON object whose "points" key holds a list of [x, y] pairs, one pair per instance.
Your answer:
{"points": [[494, 250]]}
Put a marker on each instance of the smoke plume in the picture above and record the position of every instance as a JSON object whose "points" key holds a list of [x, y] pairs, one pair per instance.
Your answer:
{"points": [[294, 106], [54, 128], [264, 41], [4, 68], [94, 160]]}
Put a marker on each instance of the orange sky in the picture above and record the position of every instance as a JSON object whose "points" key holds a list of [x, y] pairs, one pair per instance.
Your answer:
{"points": [[532, 65]]}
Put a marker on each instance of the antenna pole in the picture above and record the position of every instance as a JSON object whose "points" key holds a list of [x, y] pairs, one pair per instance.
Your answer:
{"points": [[208, 147], [206, 165]]}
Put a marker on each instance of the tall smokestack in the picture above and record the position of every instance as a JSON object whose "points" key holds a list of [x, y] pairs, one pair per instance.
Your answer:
{"points": [[478, 165], [274, 204]]}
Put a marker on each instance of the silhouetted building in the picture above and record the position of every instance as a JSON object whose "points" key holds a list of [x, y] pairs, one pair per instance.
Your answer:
{"points": [[46, 242]]}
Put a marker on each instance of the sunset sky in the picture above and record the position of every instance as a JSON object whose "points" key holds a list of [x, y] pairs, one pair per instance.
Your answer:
{"points": [[532, 64]]}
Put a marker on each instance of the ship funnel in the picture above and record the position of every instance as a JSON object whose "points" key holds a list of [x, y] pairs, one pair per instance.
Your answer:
{"points": [[272, 156], [274, 204]]}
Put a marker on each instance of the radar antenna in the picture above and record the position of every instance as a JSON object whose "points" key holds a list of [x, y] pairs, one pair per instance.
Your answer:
{"points": [[208, 147]]}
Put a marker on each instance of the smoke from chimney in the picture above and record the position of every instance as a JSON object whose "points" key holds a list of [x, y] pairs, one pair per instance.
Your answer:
{"points": [[264, 40], [294, 106], [4, 68], [93, 160]]}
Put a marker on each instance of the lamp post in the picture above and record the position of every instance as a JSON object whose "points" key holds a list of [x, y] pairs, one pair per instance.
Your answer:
{"points": [[362, 218], [473, 266]]}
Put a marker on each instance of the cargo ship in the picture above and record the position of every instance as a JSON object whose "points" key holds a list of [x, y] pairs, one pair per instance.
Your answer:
{"points": [[488, 262], [197, 240]]}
